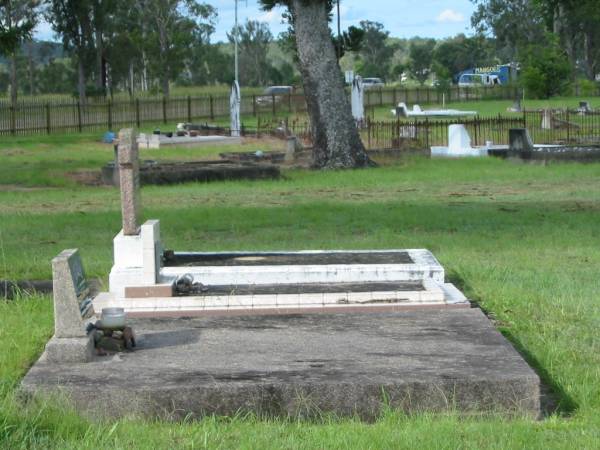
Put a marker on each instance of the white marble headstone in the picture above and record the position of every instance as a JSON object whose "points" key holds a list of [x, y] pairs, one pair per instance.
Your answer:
{"points": [[358, 93], [234, 108], [458, 139]]}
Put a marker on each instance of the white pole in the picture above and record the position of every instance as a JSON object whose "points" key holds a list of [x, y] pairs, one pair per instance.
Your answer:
{"points": [[236, 42]]}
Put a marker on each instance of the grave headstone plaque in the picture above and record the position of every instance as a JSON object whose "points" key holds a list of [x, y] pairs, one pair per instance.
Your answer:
{"points": [[72, 300], [129, 176], [290, 149], [72, 309], [520, 143]]}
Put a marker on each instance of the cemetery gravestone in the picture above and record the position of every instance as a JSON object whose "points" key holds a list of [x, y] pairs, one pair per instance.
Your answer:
{"points": [[520, 143], [358, 109], [234, 106], [72, 309]]}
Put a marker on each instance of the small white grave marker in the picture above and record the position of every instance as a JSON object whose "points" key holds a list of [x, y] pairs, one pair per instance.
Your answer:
{"points": [[358, 92], [234, 109]]}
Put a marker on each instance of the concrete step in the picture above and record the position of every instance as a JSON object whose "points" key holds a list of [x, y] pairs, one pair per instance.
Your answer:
{"points": [[308, 297], [303, 267]]}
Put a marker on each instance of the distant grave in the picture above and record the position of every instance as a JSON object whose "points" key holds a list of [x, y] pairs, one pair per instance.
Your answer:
{"points": [[173, 172]]}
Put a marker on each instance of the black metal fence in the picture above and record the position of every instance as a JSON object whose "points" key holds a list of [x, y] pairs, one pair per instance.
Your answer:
{"points": [[34, 117], [545, 127]]}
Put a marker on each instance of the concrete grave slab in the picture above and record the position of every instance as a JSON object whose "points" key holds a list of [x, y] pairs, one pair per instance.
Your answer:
{"points": [[154, 141], [302, 365]]}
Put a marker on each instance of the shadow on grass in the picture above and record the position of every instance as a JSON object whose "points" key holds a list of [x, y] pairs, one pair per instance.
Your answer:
{"points": [[554, 398]]}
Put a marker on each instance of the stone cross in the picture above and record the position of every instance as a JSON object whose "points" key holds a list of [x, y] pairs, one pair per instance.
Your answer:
{"points": [[129, 176]]}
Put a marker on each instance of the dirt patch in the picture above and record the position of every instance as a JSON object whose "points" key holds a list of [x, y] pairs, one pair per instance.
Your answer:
{"points": [[14, 152], [86, 177], [18, 188], [582, 207]]}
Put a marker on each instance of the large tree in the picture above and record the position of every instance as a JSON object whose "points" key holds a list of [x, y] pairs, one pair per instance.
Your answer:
{"points": [[375, 51], [72, 20], [17, 21], [514, 23], [453, 55], [254, 39], [336, 140], [170, 35], [421, 59]]}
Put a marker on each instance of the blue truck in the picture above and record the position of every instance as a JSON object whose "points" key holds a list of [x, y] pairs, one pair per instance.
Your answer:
{"points": [[485, 76]]}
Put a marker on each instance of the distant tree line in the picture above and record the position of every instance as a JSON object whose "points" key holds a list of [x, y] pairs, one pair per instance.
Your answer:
{"points": [[150, 45], [555, 41]]}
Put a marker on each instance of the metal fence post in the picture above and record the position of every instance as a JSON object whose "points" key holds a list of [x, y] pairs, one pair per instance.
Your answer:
{"points": [[189, 108], [212, 108], [110, 121], [137, 112], [48, 118], [13, 120], [79, 125]]}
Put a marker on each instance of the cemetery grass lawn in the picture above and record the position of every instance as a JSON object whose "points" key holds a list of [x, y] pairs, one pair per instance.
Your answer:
{"points": [[51, 160], [520, 240]]}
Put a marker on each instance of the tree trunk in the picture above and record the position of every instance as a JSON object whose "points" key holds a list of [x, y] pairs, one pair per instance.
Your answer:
{"points": [[100, 77], [81, 80], [164, 58], [31, 68], [131, 79], [336, 141], [589, 55], [13, 79], [164, 81], [564, 31]]}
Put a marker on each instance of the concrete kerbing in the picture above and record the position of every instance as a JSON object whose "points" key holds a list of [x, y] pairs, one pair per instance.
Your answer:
{"points": [[70, 350], [301, 365]]}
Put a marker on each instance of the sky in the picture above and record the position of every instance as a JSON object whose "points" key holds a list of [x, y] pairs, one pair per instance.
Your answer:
{"points": [[402, 18]]}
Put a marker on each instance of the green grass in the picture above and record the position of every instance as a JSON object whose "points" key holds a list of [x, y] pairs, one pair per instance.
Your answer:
{"points": [[176, 91], [35, 161], [521, 240]]}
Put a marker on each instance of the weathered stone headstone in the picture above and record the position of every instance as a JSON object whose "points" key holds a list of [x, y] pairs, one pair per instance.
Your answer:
{"points": [[72, 307], [129, 175], [520, 142], [584, 108], [234, 109], [547, 120], [290, 149], [72, 301]]}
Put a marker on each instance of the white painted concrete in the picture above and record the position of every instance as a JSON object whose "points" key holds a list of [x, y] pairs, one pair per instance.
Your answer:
{"points": [[137, 259], [459, 145], [358, 92]]}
